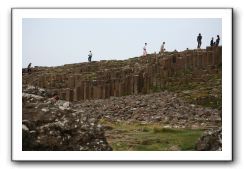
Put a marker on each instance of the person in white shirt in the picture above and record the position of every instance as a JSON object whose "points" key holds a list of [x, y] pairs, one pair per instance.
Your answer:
{"points": [[145, 50], [89, 56], [162, 49]]}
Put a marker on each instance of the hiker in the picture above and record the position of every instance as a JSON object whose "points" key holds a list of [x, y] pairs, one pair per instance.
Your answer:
{"points": [[212, 42], [199, 40], [89, 56], [145, 50], [29, 68], [217, 41], [162, 49]]}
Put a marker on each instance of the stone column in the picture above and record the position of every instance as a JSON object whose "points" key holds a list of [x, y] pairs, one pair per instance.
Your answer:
{"points": [[103, 90], [135, 84], [195, 64], [71, 82], [77, 94], [199, 59], [219, 55], [130, 84], [205, 59], [69, 95], [210, 58], [86, 90], [107, 90]]}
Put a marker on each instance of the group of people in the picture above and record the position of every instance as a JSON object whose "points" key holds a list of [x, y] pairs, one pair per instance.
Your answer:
{"points": [[162, 49], [199, 43], [212, 43], [216, 43]]}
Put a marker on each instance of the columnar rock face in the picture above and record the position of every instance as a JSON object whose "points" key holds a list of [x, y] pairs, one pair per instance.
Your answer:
{"points": [[141, 75]]}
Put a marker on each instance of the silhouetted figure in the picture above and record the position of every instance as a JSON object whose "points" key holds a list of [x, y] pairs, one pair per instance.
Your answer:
{"points": [[162, 49], [199, 40], [145, 50], [29, 68], [89, 56], [212, 42], [217, 41]]}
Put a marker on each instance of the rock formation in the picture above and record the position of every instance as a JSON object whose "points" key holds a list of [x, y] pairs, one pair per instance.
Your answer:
{"points": [[56, 126], [99, 80], [132, 90]]}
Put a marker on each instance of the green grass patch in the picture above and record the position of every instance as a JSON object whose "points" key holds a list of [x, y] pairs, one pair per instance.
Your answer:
{"points": [[150, 137]]}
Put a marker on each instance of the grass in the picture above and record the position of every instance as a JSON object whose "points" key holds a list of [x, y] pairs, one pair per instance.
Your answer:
{"points": [[149, 137]]}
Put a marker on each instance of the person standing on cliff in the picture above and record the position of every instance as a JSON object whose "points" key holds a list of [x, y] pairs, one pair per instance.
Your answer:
{"points": [[145, 50], [89, 56], [212, 42], [217, 41], [29, 68], [162, 49], [199, 40]]}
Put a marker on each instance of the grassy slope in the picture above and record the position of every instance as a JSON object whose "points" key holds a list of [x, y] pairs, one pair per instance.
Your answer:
{"points": [[149, 137]]}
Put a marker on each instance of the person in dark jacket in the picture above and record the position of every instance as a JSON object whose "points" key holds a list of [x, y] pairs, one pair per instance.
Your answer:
{"points": [[29, 68], [199, 40], [217, 41], [212, 42]]}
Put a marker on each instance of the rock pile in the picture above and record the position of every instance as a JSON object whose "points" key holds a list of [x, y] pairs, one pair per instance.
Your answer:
{"points": [[63, 125], [48, 126], [163, 107]]}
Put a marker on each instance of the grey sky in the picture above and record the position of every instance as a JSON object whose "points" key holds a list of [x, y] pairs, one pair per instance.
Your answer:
{"points": [[53, 42]]}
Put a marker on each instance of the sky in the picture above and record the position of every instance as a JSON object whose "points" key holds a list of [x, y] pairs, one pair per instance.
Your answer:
{"points": [[54, 42]]}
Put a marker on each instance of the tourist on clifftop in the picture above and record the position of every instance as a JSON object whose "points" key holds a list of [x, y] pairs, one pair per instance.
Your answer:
{"points": [[199, 40], [212, 42], [217, 41], [145, 50], [162, 49], [29, 68], [89, 56]]}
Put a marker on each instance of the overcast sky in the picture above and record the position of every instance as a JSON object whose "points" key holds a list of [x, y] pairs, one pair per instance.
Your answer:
{"points": [[53, 42]]}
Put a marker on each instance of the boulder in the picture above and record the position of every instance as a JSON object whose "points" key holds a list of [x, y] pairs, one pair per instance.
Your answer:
{"points": [[211, 140]]}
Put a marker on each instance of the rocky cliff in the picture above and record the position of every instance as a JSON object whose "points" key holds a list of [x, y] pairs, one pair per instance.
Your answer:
{"points": [[106, 105], [141, 75]]}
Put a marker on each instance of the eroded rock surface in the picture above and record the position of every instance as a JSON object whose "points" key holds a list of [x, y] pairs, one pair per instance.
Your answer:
{"points": [[57, 126]]}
